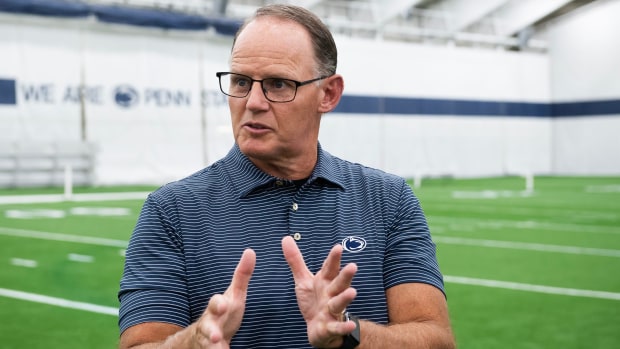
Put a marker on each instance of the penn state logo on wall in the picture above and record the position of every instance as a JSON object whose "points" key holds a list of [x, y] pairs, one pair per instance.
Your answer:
{"points": [[353, 244], [125, 96]]}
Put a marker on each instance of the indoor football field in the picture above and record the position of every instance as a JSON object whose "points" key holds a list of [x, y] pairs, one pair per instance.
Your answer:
{"points": [[528, 263]]}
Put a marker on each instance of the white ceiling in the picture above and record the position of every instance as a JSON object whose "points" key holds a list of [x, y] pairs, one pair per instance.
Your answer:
{"points": [[509, 24]]}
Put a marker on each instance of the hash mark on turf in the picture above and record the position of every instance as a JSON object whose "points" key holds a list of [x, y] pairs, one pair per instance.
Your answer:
{"points": [[21, 262], [74, 257]]}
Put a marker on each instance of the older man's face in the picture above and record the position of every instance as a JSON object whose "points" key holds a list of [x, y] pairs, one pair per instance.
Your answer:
{"points": [[267, 132]]}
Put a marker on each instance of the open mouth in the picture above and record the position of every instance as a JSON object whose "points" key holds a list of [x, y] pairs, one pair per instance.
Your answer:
{"points": [[256, 126]]}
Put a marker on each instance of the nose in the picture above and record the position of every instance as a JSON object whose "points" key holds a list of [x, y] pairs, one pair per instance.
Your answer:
{"points": [[256, 97]]}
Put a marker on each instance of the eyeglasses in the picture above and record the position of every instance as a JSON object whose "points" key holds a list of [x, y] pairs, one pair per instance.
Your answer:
{"points": [[275, 89]]}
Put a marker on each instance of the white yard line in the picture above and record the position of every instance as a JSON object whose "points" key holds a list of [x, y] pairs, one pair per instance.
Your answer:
{"points": [[531, 225], [60, 302], [532, 288], [62, 237], [51, 198], [610, 188], [94, 308], [491, 194], [527, 246], [437, 238], [527, 210]]}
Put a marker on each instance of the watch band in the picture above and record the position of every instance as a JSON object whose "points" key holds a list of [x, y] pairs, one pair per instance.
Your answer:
{"points": [[352, 340]]}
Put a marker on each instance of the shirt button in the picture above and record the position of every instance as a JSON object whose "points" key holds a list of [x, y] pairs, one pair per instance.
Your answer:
{"points": [[279, 183], [295, 206], [297, 236]]}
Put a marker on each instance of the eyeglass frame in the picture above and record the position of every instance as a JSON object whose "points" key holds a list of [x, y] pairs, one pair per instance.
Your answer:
{"points": [[252, 81]]}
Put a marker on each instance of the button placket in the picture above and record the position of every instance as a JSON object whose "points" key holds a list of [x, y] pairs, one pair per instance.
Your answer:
{"points": [[296, 235]]}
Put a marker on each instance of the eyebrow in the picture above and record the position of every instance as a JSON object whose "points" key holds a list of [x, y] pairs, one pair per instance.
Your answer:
{"points": [[266, 76]]}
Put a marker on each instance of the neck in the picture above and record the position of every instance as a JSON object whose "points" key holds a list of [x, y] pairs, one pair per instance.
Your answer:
{"points": [[291, 168]]}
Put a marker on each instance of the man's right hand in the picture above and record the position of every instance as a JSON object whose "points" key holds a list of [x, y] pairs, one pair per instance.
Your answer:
{"points": [[222, 318], [215, 328]]}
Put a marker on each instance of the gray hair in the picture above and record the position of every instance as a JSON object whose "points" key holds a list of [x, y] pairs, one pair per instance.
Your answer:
{"points": [[325, 52]]}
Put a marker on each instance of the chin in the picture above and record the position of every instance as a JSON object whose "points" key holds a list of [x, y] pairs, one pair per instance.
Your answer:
{"points": [[254, 148]]}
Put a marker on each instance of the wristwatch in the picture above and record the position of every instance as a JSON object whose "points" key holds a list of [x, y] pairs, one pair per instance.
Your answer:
{"points": [[352, 340]]}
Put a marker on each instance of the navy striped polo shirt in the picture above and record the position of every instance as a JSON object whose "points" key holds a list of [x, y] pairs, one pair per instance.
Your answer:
{"points": [[191, 233]]}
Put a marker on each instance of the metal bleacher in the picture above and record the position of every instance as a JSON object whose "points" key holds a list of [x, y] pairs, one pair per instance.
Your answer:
{"points": [[46, 164], [186, 6]]}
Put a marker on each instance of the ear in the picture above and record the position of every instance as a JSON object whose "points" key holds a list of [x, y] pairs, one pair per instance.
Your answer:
{"points": [[332, 91]]}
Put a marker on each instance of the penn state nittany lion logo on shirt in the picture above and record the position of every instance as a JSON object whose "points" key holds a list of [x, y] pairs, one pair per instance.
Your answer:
{"points": [[353, 244]]}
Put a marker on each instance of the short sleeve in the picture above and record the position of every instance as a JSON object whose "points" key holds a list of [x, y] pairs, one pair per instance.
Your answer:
{"points": [[153, 287], [410, 252]]}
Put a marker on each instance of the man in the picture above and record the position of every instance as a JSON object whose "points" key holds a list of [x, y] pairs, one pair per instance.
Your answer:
{"points": [[294, 214]]}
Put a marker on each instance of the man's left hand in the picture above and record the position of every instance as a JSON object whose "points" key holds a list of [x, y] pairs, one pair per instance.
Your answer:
{"points": [[324, 296]]}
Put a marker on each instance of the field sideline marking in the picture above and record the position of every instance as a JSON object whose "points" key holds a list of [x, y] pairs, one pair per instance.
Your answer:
{"points": [[90, 240], [527, 246], [60, 302], [52, 198], [532, 288]]}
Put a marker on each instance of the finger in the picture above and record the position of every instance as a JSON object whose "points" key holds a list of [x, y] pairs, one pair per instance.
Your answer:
{"points": [[295, 259], [343, 280], [331, 264], [207, 329], [341, 328], [243, 272], [217, 306], [213, 334], [337, 304], [208, 334]]}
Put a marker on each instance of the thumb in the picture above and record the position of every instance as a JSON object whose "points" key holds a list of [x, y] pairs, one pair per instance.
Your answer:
{"points": [[243, 272]]}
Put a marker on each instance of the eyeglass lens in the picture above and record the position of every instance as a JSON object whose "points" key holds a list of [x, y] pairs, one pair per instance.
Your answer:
{"points": [[275, 89]]}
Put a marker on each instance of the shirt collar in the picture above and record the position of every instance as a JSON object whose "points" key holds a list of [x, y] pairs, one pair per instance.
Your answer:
{"points": [[248, 177], [327, 169]]}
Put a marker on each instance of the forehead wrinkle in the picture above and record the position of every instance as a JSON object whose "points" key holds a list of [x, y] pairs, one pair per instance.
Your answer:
{"points": [[264, 66], [266, 51]]}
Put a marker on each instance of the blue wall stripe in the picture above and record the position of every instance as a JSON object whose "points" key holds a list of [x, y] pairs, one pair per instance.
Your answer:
{"points": [[7, 92], [143, 17], [428, 106], [52, 8], [348, 104], [464, 107], [608, 107]]}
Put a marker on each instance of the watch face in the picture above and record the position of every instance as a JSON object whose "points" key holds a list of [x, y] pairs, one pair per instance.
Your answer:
{"points": [[351, 340]]}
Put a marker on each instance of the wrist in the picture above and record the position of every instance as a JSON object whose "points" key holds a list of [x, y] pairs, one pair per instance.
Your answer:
{"points": [[351, 340]]}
